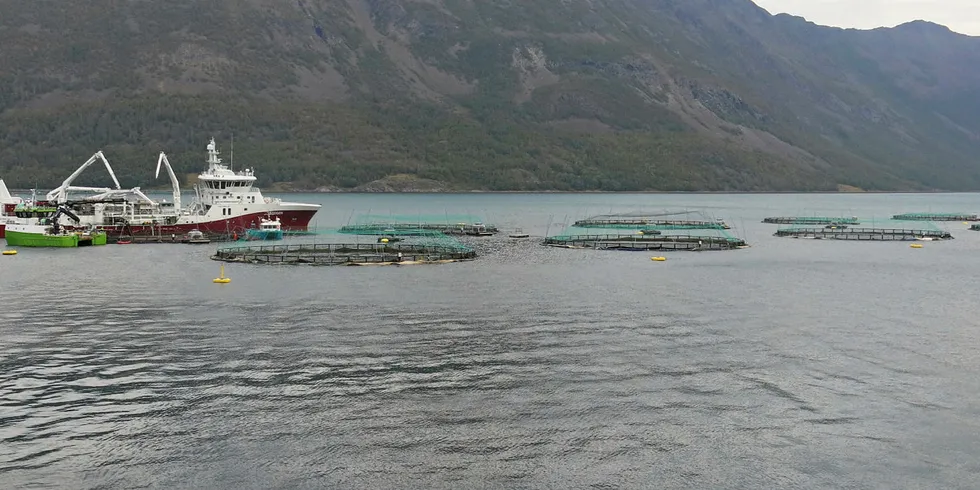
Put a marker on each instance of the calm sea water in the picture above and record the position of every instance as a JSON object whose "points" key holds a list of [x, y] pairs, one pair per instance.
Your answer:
{"points": [[791, 364]]}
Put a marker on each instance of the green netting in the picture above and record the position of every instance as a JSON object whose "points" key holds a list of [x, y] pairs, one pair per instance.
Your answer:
{"points": [[650, 225], [881, 223], [935, 217], [416, 219], [457, 224], [812, 220], [658, 221], [416, 229], [654, 225], [409, 237], [576, 231]]}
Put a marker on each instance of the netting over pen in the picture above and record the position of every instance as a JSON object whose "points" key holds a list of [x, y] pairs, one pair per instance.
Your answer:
{"points": [[871, 229], [663, 220], [881, 222], [936, 217], [445, 223], [392, 236], [678, 230]]}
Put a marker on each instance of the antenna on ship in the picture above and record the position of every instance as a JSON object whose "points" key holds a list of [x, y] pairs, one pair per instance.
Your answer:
{"points": [[232, 152]]}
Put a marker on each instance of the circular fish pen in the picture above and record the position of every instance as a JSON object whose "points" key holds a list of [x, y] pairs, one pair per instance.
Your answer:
{"points": [[811, 220], [345, 254], [667, 231], [401, 224], [643, 242], [864, 234], [935, 217], [653, 221]]}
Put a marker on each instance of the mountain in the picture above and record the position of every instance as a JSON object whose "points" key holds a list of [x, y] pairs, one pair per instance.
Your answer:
{"points": [[489, 94]]}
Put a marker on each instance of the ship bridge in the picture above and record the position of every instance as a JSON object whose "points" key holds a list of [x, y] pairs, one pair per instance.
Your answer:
{"points": [[222, 186], [218, 177]]}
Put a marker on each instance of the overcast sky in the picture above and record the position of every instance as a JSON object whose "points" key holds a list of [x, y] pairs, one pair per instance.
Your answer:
{"points": [[959, 15]]}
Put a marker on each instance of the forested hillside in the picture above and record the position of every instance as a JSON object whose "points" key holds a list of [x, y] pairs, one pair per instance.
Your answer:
{"points": [[492, 95]]}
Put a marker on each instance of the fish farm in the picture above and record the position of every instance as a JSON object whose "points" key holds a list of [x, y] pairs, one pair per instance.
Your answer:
{"points": [[644, 242], [654, 232], [811, 220], [345, 254], [864, 234], [392, 224], [649, 222], [935, 217]]}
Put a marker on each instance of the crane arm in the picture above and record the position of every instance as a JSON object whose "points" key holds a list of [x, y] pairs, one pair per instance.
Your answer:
{"points": [[109, 168], [60, 194], [173, 178]]}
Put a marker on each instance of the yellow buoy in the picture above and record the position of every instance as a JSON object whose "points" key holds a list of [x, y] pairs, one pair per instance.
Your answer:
{"points": [[658, 259], [222, 279], [916, 245], [384, 240], [10, 252]]}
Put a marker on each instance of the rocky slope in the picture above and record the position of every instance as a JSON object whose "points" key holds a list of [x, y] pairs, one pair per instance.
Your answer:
{"points": [[497, 95]]}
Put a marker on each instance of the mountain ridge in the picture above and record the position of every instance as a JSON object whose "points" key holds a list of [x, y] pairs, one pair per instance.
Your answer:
{"points": [[594, 95]]}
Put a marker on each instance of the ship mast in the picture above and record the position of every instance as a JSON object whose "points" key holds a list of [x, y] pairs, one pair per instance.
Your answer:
{"points": [[212, 155]]}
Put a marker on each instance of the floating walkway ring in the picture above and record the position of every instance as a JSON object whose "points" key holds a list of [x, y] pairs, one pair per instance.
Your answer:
{"points": [[344, 254]]}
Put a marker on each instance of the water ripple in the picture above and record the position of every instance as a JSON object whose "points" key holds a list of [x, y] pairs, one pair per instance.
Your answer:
{"points": [[585, 382]]}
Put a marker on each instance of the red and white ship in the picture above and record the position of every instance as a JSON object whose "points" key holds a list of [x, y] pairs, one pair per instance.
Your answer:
{"points": [[7, 205], [225, 203]]}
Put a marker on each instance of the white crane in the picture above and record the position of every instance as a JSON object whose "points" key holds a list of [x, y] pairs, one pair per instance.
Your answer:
{"points": [[60, 194], [111, 193], [173, 178]]}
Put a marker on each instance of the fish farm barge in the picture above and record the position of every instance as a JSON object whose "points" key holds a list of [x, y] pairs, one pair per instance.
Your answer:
{"points": [[344, 254], [810, 220], [935, 217], [470, 229], [864, 234], [643, 242]]}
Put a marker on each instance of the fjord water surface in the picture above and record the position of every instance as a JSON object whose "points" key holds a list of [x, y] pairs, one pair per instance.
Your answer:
{"points": [[791, 364]]}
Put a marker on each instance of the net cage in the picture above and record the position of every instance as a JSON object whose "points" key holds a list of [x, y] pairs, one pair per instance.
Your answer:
{"points": [[662, 221], [935, 217], [686, 225], [453, 224], [878, 223], [433, 230]]}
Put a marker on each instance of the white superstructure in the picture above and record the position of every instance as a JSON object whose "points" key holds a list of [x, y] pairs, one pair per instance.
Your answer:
{"points": [[224, 201]]}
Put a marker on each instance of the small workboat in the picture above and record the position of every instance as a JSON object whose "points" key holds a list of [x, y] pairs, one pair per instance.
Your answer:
{"points": [[268, 229], [195, 237], [519, 233], [479, 229]]}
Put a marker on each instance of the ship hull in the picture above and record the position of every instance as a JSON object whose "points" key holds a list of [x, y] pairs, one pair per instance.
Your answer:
{"points": [[292, 220], [27, 239]]}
